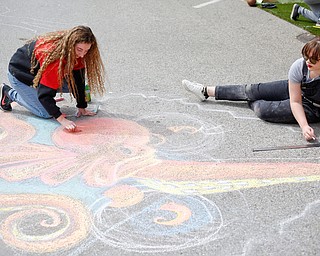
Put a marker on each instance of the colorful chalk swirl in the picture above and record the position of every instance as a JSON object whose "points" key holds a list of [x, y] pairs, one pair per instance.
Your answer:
{"points": [[42, 223]]}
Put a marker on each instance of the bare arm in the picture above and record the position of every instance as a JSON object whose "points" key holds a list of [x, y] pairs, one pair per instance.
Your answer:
{"points": [[298, 111], [67, 124]]}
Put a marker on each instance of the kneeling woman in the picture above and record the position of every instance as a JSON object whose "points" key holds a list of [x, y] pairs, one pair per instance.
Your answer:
{"points": [[40, 68]]}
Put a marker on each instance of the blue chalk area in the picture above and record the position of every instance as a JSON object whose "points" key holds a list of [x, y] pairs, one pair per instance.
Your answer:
{"points": [[44, 129], [74, 188], [204, 217]]}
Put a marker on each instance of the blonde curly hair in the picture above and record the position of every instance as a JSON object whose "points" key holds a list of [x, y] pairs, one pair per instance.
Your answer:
{"points": [[64, 50]]}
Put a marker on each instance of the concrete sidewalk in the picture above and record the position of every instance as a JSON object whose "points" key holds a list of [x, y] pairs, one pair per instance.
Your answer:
{"points": [[157, 172]]}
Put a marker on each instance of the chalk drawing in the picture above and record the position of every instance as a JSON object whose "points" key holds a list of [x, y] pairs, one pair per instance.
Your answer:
{"points": [[42, 223], [122, 173], [183, 214], [180, 221], [312, 207]]}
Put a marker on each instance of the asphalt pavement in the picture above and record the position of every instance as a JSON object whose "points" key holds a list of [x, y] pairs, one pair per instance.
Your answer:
{"points": [[156, 171]]}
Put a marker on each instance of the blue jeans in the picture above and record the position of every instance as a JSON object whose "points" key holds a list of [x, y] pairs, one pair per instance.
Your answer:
{"points": [[269, 101], [314, 14], [26, 96]]}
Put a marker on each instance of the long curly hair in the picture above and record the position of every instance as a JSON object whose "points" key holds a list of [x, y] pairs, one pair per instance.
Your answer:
{"points": [[64, 50]]}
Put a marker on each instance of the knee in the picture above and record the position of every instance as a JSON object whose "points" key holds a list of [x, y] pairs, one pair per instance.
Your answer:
{"points": [[250, 90], [261, 113]]}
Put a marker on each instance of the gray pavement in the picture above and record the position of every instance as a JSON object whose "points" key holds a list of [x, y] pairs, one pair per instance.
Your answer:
{"points": [[157, 172]]}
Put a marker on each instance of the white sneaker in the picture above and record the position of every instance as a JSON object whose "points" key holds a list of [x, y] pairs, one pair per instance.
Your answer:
{"points": [[195, 88]]}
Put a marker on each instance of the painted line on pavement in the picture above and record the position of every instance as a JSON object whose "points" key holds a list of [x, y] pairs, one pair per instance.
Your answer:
{"points": [[205, 4]]}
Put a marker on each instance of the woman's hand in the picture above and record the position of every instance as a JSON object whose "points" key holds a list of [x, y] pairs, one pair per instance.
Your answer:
{"points": [[308, 133], [298, 111], [85, 112], [67, 124]]}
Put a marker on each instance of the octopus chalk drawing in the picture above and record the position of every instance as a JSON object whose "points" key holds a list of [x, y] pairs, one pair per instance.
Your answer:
{"points": [[94, 185]]}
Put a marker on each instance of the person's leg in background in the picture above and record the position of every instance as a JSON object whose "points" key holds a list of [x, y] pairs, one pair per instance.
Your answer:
{"points": [[270, 101], [313, 14]]}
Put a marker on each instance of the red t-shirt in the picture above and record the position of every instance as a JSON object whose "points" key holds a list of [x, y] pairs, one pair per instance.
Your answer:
{"points": [[50, 77]]}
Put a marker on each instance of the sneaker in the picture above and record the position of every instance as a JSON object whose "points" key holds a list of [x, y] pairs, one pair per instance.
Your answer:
{"points": [[195, 88], [5, 100], [294, 13]]}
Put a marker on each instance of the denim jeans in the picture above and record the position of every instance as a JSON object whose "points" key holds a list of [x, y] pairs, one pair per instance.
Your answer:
{"points": [[26, 96], [314, 14], [270, 101]]}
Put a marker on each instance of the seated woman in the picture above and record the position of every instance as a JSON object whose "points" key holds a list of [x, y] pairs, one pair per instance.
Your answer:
{"points": [[296, 100]]}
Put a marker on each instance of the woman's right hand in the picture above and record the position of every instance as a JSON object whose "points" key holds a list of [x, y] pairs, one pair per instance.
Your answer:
{"points": [[308, 133], [298, 110], [67, 124]]}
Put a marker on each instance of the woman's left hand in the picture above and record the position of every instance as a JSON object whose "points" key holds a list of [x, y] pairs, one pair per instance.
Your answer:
{"points": [[85, 112]]}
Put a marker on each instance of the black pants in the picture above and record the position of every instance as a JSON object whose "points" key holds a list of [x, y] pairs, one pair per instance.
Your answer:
{"points": [[270, 101]]}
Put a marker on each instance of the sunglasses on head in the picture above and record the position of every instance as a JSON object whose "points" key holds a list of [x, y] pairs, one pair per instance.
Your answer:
{"points": [[312, 60]]}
